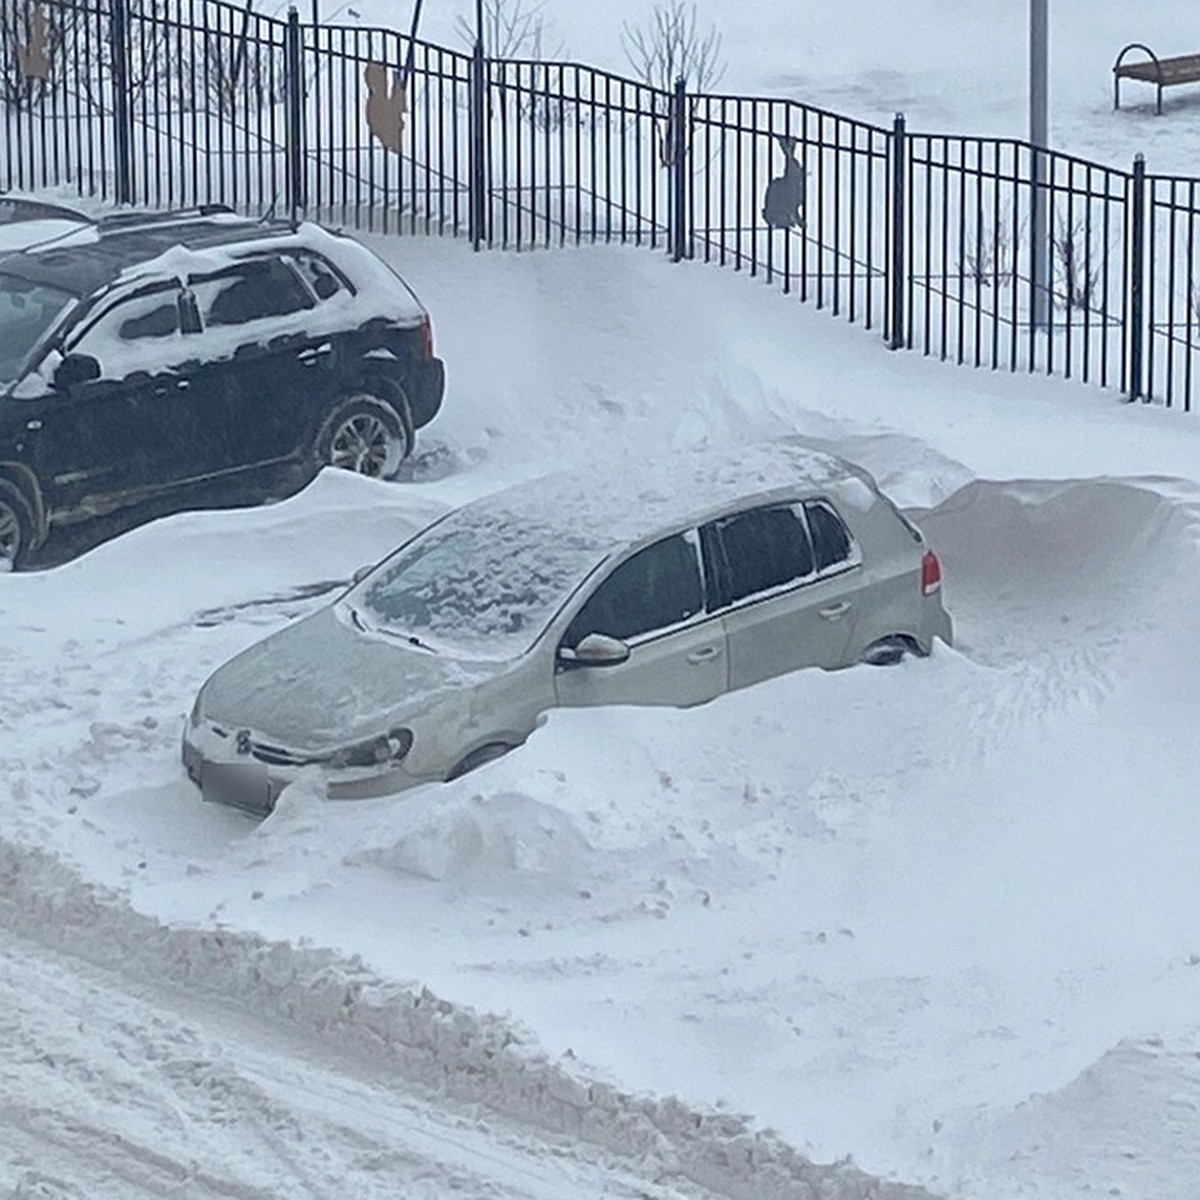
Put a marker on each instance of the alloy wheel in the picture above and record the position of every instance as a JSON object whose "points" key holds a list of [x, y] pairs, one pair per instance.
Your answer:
{"points": [[363, 444]]}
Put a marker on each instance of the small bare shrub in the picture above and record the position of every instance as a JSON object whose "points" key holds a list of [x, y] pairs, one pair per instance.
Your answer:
{"points": [[988, 259], [669, 45], [1077, 269], [511, 29]]}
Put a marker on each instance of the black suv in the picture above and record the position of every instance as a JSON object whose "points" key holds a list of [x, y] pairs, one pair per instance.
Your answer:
{"points": [[186, 354]]}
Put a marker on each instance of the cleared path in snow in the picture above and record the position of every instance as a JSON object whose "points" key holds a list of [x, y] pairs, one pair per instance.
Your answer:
{"points": [[144, 1062]]}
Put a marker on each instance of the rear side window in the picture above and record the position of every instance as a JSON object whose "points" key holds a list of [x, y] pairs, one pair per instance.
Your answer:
{"points": [[830, 537], [318, 274], [248, 292], [757, 551], [658, 587]]}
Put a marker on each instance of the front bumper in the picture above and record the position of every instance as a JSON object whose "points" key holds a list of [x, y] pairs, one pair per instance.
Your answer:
{"points": [[249, 782]]}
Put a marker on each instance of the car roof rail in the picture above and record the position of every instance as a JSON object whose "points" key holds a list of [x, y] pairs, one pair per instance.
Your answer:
{"points": [[124, 222]]}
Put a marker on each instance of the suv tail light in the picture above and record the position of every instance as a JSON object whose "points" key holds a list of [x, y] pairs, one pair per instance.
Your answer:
{"points": [[931, 573], [426, 338]]}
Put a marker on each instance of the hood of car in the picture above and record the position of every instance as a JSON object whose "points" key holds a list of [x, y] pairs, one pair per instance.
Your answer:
{"points": [[321, 683]]}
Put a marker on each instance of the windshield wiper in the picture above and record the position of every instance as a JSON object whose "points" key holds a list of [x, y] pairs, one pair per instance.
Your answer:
{"points": [[410, 638], [413, 640]]}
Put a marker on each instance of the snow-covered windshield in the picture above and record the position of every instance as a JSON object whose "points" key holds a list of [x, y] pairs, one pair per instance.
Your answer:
{"points": [[27, 310], [474, 585]]}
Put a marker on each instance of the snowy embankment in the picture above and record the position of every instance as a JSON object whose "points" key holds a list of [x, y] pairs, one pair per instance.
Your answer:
{"points": [[412, 1041], [910, 915]]}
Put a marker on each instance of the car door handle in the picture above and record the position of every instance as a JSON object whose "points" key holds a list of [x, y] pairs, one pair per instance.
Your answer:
{"points": [[704, 654], [833, 611], [314, 354]]}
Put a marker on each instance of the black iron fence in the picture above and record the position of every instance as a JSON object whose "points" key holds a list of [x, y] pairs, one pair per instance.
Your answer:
{"points": [[985, 252]]}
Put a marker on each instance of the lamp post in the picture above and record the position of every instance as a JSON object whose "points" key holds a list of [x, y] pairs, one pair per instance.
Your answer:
{"points": [[1038, 213], [479, 24]]}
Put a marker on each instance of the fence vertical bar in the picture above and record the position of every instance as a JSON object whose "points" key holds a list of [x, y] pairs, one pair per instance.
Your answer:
{"points": [[896, 263], [294, 82], [478, 179], [1134, 328], [677, 141], [122, 115]]}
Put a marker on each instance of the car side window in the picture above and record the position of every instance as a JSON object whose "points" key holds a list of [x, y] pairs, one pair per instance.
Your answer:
{"points": [[250, 291], [318, 274], [757, 551], [656, 588], [832, 545], [147, 317]]}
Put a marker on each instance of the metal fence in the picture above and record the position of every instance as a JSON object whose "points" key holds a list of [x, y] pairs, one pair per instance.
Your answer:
{"points": [[984, 252]]}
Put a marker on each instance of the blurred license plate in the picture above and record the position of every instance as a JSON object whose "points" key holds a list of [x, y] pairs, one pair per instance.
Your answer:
{"points": [[244, 785]]}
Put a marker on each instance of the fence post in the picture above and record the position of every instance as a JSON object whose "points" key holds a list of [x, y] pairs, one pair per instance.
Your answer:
{"points": [[896, 327], [478, 179], [122, 112], [293, 77], [1137, 277], [677, 146]]}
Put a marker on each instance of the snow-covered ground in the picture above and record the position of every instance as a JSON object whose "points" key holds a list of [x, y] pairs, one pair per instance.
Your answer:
{"points": [[942, 919]]}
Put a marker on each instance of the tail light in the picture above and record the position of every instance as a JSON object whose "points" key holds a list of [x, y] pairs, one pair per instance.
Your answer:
{"points": [[931, 573], [426, 337]]}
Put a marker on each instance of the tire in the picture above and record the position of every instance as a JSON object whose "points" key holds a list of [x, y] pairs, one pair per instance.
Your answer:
{"points": [[366, 433], [17, 527], [476, 759], [887, 651]]}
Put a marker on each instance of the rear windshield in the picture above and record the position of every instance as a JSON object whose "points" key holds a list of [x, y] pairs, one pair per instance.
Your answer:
{"points": [[27, 311]]}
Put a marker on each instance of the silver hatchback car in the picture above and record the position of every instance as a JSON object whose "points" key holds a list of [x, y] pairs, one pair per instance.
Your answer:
{"points": [[672, 584]]}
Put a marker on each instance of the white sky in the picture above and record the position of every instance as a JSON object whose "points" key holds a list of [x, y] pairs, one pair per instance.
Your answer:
{"points": [[942, 918]]}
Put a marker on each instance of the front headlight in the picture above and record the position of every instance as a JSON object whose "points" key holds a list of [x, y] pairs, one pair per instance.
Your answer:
{"points": [[390, 747]]}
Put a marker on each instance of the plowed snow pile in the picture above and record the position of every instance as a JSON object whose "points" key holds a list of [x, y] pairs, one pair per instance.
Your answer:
{"points": [[941, 918]]}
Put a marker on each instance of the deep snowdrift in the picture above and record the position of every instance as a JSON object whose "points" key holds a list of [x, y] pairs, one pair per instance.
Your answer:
{"points": [[918, 915]]}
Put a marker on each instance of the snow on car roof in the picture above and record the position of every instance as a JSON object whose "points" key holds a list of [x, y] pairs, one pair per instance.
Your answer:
{"points": [[197, 244], [499, 568], [624, 503]]}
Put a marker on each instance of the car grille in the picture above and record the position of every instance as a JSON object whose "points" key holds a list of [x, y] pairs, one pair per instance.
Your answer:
{"points": [[279, 756], [275, 756]]}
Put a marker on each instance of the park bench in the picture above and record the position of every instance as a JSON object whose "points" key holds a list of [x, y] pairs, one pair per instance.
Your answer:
{"points": [[1163, 72]]}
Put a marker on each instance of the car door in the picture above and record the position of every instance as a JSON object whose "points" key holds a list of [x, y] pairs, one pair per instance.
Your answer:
{"points": [[654, 602], [782, 611], [129, 429], [265, 373]]}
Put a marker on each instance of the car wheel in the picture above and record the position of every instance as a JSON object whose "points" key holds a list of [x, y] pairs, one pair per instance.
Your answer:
{"points": [[476, 759], [366, 434], [16, 527], [887, 651]]}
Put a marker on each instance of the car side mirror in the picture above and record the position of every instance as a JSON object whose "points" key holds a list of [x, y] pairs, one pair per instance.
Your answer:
{"points": [[595, 650], [75, 369]]}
